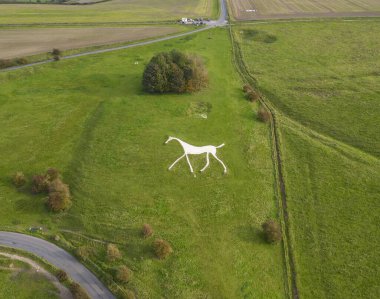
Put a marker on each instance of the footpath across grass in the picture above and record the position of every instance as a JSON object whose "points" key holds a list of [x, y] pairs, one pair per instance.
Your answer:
{"points": [[90, 118], [323, 80]]}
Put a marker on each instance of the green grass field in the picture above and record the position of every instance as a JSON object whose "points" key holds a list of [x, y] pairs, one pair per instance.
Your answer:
{"points": [[111, 11], [323, 79], [90, 118], [21, 282]]}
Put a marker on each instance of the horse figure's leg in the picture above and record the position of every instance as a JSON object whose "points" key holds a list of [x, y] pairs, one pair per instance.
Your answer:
{"points": [[207, 163], [175, 162], [224, 166], [188, 161]]}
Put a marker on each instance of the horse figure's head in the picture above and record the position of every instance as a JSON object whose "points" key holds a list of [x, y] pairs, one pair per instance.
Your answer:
{"points": [[170, 138]]}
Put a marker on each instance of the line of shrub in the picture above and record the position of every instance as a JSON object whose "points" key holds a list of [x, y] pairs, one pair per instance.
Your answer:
{"points": [[6, 63]]}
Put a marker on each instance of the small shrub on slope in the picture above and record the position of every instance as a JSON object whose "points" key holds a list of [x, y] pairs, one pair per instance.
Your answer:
{"points": [[162, 249], [113, 253], [147, 230], [272, 231], [124, 274], [19, 179]]}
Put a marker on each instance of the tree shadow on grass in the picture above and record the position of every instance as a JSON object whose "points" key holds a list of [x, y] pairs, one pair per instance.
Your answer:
{"points": [[250, 234]]}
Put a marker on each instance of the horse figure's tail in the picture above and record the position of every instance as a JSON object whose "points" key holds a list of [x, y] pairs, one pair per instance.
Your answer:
{"points": [[219, 146]]}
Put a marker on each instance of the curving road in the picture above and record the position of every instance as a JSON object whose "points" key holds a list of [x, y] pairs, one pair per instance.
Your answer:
{"points": [[222, 21], [60, 259]]}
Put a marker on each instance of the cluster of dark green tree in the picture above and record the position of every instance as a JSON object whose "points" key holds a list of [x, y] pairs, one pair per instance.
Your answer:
{"points": [[175, 72]]}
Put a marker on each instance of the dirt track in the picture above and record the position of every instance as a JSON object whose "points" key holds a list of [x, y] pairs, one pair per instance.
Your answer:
{"points": [[25, 42]]}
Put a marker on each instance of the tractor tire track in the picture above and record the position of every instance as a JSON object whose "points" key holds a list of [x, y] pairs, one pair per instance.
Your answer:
{"points": [[276, 148]]}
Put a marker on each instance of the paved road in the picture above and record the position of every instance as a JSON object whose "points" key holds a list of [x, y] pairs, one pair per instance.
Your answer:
{"points": [[222, 21], [60, 259]]}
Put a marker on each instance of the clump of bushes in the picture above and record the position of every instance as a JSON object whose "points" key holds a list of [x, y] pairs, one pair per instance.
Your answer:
{"points": [[263, 115], [5, 63], [146, 231], [113, 253], [174, 72], [78, 292], [40, 183], [19, 179], [250, 93], [272, 231], [162, 248], [59, 196], [62, 276], [56, 53], [124, 274]]}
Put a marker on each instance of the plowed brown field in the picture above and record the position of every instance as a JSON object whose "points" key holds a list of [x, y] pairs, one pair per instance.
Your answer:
{"points": [[25, 42], [260, 9]]}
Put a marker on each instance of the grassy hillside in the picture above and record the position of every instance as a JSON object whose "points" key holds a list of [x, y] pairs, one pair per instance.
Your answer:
{"points": [[90, 118], [333, 198], [110, 11], [323, 78], [22, 282], [325, 75]]}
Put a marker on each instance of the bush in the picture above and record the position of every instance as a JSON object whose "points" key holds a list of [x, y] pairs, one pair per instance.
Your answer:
{"points": [[247, 88], [78, 292], [20, 61], [124, 274], [19, 179], [174, 72], [147, 230], [82, 252], [272, 231], [62, 276], [162, 249], [263, 115], [59, 196], [56, 53], [252, 96], [40, 183], [113, 252], [53, 174]]}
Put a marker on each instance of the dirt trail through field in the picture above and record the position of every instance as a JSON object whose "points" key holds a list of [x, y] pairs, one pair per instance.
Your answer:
{"points": [[63, 291]]}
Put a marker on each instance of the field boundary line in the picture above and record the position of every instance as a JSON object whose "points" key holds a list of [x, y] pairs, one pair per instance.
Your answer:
{"points": [[289, 260]]}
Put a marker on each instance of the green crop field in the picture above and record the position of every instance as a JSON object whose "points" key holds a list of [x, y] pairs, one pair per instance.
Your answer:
{"points": [[323, 79], [111, 11], [90, 118], [21, 282]]}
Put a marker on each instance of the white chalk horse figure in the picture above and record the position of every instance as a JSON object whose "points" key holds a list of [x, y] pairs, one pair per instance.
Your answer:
{"points": [[197, 150]]}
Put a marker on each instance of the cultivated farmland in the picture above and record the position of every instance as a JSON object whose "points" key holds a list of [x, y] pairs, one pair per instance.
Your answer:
{"points": [[269, 9], [325, 90], [106, 136], [26, 42], [111, 11]]}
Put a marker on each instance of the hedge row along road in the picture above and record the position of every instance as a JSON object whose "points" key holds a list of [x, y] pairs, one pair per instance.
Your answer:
{"points": [[60, 259]]}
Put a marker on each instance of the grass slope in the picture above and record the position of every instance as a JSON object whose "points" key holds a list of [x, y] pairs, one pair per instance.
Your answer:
{"points": [[328, 83], [90, 118], [23, 283], [111, 11]]}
